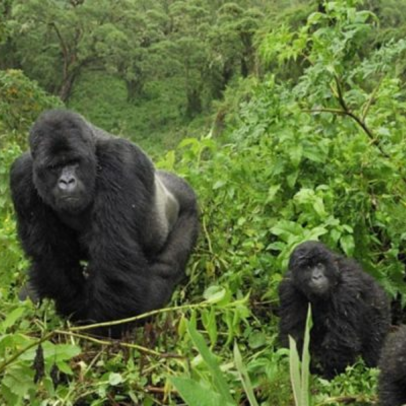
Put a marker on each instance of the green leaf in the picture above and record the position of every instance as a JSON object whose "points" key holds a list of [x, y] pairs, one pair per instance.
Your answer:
{"points": [[272, 191], [12, 318], [115, 379], [305, 395], [195, 394], [294, 363], [211, 362], [19, 378], [257, 339], [64, 352], [210, 324], [299, 371], [64, 367], [347, 244], [244, 377], [214, 294]]}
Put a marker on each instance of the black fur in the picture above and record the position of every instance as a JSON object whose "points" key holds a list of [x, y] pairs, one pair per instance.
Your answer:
{"points": [[392, 365], [350, 310], [83, 196]]}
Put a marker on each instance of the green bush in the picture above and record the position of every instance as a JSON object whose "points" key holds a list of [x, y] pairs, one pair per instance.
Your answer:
{"points": [[21, 101]]}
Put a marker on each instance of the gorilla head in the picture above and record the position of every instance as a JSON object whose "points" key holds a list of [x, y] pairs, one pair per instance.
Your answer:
{"points": [[64, 161], [314, 270]]}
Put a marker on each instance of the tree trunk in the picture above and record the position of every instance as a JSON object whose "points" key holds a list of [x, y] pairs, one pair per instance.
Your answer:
{"points": [[194, 103], [135, 89], [66, 88]]}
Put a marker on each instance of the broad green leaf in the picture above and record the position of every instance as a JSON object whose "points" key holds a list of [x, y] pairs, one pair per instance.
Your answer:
{"points": [[194, 394], [115, 379], [12, 318], [214, 294]]}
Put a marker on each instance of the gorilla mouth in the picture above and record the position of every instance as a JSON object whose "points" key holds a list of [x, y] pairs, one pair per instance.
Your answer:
{"points": [[70, 203], [319, 289], [69, 200]]}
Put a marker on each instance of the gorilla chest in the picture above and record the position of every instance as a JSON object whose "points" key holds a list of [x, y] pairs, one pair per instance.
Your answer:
{"points": [[77, 227], [74, 222]]}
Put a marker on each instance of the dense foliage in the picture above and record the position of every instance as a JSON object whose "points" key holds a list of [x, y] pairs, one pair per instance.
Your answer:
{"points": [[307, 143]]}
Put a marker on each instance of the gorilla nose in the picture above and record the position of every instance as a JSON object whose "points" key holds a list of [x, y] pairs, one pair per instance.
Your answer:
{"points": [[67, 184]]}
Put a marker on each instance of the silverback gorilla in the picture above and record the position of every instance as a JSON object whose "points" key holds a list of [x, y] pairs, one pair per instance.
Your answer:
{"points": [[351, 314], [392, 365], [108, 236]]}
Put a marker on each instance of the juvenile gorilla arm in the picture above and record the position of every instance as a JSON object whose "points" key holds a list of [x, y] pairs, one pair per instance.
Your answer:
{"points": [[292, 312]]}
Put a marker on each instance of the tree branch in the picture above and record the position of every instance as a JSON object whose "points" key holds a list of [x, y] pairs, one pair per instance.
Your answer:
{"points": [[346, 111]]}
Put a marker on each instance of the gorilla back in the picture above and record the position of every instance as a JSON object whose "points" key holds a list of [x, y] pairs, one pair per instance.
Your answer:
{"points": [[82, 195]]}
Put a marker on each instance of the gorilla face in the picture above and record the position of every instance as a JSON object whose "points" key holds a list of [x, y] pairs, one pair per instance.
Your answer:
{"points": [[64, 163], [314, 270]]}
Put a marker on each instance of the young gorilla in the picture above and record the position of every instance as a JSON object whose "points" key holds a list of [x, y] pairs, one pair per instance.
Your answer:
{"points": [[84, 196], [350, 311], [392, 377]]}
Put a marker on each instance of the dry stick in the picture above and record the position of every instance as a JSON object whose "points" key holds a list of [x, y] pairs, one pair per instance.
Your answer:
{"points": [[140, 316], [111, 343], [71, 332]]}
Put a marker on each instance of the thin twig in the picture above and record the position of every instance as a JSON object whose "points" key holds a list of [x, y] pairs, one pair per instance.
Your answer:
{"points": [[206, 233], [347, 400], [361, 123], [339, 94], [371, 100], [140, 316], [110, 343]]}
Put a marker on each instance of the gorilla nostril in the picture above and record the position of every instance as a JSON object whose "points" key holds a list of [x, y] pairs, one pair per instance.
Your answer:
{"points": [[67, 184]]}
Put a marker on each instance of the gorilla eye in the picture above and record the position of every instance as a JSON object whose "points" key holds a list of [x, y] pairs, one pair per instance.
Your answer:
{"points": [[71, 162]]}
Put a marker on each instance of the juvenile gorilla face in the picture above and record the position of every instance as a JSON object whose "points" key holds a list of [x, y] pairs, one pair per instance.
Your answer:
{"points": [[64, 163], [314, 270]]}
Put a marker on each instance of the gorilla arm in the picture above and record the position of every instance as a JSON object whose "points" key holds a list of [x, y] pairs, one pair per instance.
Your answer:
{"points": [[55, 270], [292, 312]]}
